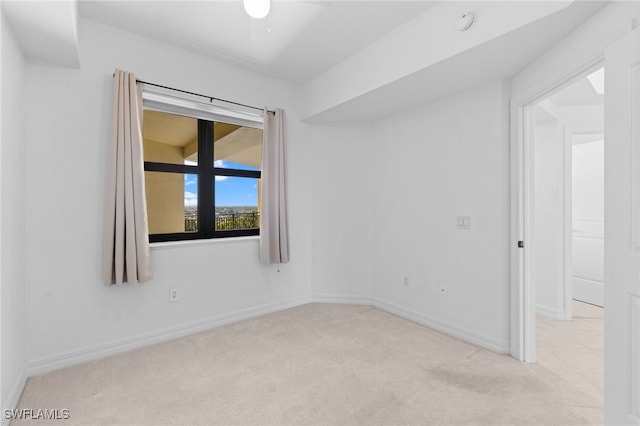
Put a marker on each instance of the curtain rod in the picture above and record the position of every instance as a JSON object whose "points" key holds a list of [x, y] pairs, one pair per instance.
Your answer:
{"points": [[211, 98]]}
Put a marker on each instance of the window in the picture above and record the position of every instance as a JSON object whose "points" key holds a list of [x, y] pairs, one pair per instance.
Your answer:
{"points": [[202, 176]]}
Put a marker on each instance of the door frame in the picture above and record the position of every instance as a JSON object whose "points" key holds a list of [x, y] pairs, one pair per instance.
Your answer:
{"points": [[582, 50], [523, 300]]}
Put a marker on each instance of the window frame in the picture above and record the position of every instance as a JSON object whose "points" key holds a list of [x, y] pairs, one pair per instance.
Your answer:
{"points": [[206, 173]]}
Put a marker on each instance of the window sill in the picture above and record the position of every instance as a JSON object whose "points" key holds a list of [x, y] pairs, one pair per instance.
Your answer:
{"points": [[211, 241]]}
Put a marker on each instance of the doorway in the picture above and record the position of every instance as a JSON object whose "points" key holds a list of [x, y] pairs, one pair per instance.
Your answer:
{"points": [[566, 214], [567, 194], [614, 40]]}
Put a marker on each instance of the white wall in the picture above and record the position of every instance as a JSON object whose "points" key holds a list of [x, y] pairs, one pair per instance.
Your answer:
{"points": [[385, 199], [343, 173], [548, 218], [446, 159], [13, 224], [72, 314]]}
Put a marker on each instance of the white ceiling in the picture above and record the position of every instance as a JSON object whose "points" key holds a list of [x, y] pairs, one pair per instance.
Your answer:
{"points": [[46, 30], [355, 60], [499, 58], [306, 38]]}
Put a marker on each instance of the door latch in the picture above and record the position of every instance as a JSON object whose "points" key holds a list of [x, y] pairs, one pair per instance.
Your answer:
{"points": [[520, 244]]}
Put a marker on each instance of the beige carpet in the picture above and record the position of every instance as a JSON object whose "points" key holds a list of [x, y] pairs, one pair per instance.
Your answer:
{"points": [[310, 365], [571, 359]]}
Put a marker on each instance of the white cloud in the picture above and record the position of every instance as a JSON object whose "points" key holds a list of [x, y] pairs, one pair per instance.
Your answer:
{"points": [[190, 163], [190, 199], [220, 164]]}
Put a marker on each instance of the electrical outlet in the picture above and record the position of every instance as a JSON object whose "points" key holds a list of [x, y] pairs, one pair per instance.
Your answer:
{"points": [[405, 281], [443, 289], [173, 295]]}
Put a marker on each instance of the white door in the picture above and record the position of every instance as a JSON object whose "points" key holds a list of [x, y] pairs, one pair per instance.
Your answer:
{"points": [[587, 207], [622, 231]]}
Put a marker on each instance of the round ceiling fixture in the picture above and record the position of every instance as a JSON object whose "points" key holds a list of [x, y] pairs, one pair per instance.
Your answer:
{"points": [[257, 8], [465, 21]]}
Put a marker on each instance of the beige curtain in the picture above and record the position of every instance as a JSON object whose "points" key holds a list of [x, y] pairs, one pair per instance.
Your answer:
{"points": [[127, 257], [274, 234]]}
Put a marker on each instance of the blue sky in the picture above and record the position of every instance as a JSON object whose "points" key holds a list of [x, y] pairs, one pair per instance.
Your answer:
{"points": [[230, 191]]}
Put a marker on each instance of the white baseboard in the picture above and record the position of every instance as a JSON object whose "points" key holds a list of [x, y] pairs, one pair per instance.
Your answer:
{"points": [[469, 336], [348, 299], [501, 347], [91, 353], [11, 402], [588, 291], [549, 312]]}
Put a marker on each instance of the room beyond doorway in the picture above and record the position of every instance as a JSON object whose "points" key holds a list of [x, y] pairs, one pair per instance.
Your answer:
{"points": [[566, 255], [567, 212]]}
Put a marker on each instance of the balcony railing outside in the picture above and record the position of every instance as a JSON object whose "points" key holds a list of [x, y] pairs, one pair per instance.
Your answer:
{"points": [[227, 222], [190, 224]]}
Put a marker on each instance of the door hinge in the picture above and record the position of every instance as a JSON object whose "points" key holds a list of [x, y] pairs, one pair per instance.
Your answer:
{"points": [[520, 244]]}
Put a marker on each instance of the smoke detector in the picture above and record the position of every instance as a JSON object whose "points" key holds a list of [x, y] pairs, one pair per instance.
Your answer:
{"points": [[465, 21]]}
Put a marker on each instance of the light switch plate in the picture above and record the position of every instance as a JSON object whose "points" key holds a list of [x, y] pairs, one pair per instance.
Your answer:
{"points": [[463, 222]]}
